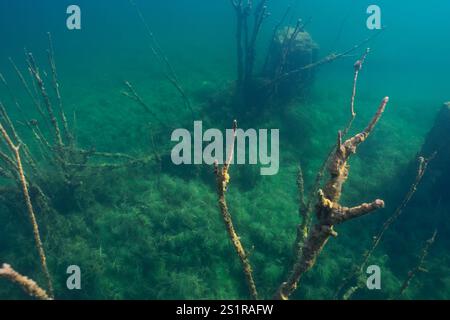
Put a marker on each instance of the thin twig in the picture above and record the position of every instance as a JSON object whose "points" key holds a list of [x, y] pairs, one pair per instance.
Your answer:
{"points": [[420, 267], [51, 58], [133, 95], [46, 98], [328, 59], [422, 167], [27, 89], [159, 54]]}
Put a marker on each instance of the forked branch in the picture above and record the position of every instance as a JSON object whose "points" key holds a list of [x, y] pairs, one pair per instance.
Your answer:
{"points": [[329, 212]]}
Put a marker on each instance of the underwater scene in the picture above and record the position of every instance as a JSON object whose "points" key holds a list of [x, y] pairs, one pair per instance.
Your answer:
{"points": [[226, 149]]}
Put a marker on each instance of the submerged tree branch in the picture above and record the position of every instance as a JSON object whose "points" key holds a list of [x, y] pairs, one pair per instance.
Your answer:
{"points": [[421, 170], [27, 284], [37, 238], [420, 267], [222, 180], [328, 59], [329, 212]]}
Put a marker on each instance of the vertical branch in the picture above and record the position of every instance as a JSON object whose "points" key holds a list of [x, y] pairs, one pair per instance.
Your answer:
{"points": [[223, 179], [301, 189], [420, 265], [43, 145], [357, 68], [272, 42], [259, 16], [38, 134], [51, 58], [320, 174], [245, 42], [27, 89], [46, 98], [240, 27], [287, 45], [33, 83], [23, 182], [302, 229]]}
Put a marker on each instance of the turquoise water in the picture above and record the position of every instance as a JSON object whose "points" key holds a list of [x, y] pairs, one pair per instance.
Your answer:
{"points": [[154, 230]]}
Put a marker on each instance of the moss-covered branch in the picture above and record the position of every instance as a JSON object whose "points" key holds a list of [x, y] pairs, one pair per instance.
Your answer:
{"points": [[329, 211], [223, 179]]}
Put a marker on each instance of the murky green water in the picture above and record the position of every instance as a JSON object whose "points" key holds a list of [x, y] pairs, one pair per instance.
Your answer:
{"points": [[153, 230]]}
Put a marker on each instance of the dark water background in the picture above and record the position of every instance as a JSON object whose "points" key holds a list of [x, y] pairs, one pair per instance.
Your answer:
{"points": [[159, 235]]}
